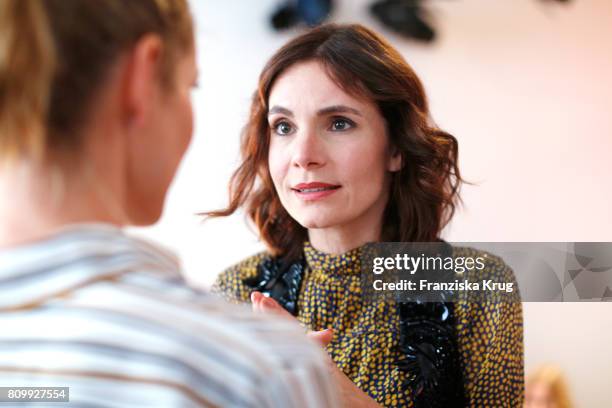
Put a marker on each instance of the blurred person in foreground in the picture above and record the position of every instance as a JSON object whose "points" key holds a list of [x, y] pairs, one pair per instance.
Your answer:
{"points": [[546, 387], [339, 151], [95, 116]]}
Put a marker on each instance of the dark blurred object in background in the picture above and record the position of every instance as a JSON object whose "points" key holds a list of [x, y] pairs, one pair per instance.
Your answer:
{"points": [[409, 18], [406, 17], [311, 12]]}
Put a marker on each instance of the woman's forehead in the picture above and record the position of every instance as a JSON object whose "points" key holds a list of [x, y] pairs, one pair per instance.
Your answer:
{"points": [[308, 85]]}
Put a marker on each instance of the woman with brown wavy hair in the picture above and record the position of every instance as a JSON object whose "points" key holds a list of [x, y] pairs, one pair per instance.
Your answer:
{"points": [[340, 151]]}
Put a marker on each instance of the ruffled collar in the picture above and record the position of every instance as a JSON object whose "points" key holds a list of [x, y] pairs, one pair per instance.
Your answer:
{"points": [[348, 263]]}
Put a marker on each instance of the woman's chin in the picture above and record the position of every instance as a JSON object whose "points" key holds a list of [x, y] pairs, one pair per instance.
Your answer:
{"points": [[317, 222]]}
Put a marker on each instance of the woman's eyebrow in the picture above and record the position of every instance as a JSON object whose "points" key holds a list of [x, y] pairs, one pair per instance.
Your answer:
{"points": [[279, 109], [324, 111], [338, 109]]}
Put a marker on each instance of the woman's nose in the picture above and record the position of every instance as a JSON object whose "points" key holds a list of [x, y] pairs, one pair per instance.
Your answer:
{"points": [[308, 150]]}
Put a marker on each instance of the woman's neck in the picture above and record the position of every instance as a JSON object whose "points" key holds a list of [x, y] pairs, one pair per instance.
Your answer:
{"points": [[36, 202], [340, 239]]}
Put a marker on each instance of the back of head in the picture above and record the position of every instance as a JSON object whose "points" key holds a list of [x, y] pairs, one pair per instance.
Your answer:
{"points": [[54, 54]]}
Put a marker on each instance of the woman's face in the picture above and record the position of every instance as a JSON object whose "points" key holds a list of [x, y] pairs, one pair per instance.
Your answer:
{"points": [[329, 154]]}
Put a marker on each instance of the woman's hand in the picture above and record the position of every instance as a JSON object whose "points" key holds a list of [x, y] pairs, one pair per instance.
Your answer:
{"points": [[263, 304], [350, 395]]}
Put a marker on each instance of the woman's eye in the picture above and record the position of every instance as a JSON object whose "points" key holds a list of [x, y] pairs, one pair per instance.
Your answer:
{"points": [[341, 124], [282, 128]]}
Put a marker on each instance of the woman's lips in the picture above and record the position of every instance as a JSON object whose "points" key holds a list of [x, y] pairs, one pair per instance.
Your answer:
{"points": [[314, 191]]}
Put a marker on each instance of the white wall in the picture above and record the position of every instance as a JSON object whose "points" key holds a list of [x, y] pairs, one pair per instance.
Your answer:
{"points": [[525, 86], [578, 338]]}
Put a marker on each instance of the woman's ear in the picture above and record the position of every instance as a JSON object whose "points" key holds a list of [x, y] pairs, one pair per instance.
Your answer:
{"points": [[140, 77], [395, 161]]}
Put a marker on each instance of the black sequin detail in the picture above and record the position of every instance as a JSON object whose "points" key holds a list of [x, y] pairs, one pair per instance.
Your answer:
{"points": [[430, 352], [428, 343], [280, 281]]}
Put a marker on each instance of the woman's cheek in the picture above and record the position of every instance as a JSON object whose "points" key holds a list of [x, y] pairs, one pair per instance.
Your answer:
{"points": [[277, 166], [368, 168]]}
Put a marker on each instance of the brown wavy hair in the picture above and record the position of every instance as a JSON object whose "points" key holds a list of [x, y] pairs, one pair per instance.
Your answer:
{"points": [[424, 193]]}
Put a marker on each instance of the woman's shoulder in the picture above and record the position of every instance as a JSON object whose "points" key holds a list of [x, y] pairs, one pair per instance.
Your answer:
{"points": [[231, 282]]}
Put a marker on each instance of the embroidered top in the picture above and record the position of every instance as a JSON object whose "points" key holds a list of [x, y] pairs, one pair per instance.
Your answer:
{"points": [[370, 344]]}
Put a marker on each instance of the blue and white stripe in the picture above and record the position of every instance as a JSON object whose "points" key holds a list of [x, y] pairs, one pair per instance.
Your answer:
{"points": [[110, 317]]}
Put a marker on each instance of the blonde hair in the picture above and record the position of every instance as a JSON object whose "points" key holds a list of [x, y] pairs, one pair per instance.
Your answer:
{"points": [[54, 54], [552, 376]]}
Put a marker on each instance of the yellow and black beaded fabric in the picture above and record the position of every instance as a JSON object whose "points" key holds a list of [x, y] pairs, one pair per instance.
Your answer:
{"points": [[367, 334]]}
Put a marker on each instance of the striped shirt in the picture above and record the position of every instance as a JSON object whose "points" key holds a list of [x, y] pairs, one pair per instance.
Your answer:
{"points": [[110, 317]]}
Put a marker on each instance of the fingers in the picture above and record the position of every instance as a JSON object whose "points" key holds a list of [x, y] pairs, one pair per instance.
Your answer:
{"points": [[264, 304], [261, 303], [256, 301], [323, 337]]}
